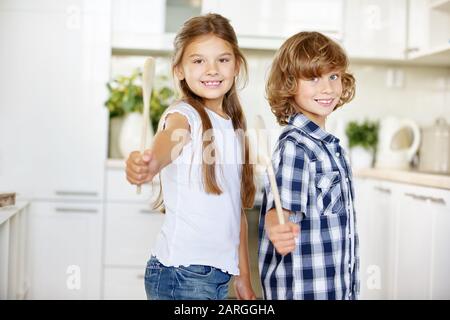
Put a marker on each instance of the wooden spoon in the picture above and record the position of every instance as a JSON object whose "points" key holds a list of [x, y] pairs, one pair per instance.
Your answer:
{"points": [[148, 75], [264, 160]]}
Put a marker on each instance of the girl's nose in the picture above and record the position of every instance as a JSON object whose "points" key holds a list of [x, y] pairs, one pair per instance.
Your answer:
{"points": [[211, 69]]}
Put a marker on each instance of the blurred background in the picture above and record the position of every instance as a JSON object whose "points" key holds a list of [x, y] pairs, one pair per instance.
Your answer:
{"points": [[71, 227]]}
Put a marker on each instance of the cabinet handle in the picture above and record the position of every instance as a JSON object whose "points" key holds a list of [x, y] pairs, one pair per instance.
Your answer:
{"points": [[416, 197], [438, 201], [413, 49], [425, 198], [76, 210], [146, 211], [76, 193], [383, 190]]}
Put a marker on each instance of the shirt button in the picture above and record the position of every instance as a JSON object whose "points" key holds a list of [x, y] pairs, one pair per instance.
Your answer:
{"points": [[337, 154]]}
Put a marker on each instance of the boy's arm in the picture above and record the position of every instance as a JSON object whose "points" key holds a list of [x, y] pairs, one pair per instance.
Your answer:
{"points": [[242, 283], [167, 145], [282, 235]]}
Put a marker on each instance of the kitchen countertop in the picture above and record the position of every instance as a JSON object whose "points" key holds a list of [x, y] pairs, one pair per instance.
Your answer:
{"points": [[440, 181]]}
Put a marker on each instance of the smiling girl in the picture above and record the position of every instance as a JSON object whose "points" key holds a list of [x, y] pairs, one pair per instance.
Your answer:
{"points": [[203, 241]]}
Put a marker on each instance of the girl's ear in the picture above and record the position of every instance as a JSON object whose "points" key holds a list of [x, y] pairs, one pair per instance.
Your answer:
{"points": [[179, 73]]}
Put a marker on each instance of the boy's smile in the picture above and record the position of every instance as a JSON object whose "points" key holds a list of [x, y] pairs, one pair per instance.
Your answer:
{"points": [[316, 98]]}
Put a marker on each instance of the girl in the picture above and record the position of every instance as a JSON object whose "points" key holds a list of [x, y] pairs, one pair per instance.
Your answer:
{"points": [[206, 176]]}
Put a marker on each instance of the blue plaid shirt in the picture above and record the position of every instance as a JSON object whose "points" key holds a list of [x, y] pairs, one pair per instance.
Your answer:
{"points": [[315, 183]]}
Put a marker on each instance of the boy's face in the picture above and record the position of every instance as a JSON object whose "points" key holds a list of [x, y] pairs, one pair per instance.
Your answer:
{"points": [[316, 98], [209, 67]]}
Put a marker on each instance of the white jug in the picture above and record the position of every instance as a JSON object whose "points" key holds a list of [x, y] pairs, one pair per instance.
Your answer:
{"points": [[392, 153]]}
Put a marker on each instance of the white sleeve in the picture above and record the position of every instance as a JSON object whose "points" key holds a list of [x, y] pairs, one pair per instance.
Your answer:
{"points": [[188, 112]]}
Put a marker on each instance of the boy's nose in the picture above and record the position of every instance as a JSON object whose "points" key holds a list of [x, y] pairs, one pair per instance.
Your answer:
{"points": [[326, 87]]}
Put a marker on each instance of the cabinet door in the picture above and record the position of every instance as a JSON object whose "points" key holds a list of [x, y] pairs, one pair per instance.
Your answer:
{"points": [[53, 124], [414, 245], [440, 263], [418, 27], [375, 220], [375, 29], [124, 284], [280, 18], [131, 231], [65, 250]]}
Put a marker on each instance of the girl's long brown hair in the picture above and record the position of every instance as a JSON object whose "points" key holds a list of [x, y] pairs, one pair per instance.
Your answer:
{"points": [[217, 25]]}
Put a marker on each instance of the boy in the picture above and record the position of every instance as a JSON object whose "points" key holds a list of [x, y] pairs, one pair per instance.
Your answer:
{"points": [[315, 254]]}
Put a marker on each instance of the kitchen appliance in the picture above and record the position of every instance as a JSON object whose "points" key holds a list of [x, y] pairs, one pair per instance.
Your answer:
{"points": [[398, 142], [434, 153]]}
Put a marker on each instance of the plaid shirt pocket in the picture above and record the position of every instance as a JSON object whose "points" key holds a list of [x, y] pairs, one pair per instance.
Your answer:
{"points": [[329, 193]]}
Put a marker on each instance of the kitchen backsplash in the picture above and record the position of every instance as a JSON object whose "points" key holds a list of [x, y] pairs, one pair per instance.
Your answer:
{"points": [[420, 93]]}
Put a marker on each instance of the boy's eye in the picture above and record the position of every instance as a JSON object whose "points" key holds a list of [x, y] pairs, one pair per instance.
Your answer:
{"points": [[315, 79], [334, 77]]}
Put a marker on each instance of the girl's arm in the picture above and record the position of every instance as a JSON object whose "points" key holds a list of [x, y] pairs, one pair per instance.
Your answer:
{"points": [[167, 146], [242, 284]]}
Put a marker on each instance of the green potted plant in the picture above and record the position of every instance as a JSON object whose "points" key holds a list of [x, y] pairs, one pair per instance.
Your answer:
{"points": [[363, 140], [125, 107]]}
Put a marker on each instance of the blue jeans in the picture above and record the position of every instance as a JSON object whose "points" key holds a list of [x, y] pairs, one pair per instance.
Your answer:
{"points": [[194, 282]]}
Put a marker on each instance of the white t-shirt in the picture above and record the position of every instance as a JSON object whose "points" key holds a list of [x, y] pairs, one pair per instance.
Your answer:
{"points": [[201, 228]]}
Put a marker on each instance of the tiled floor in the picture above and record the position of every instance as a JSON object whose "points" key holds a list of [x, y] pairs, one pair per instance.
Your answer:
{"points": [[252, 218]]}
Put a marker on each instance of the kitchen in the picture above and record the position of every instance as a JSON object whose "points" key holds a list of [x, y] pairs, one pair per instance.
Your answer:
{"points": [[80, 231]]}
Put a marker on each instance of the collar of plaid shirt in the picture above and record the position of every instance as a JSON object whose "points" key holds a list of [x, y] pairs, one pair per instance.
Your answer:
{"points": [[309, 127]]}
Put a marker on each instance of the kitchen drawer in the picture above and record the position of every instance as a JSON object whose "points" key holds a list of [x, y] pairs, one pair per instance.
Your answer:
{"points": [[119, 189], [124, 284], [131, 231]]}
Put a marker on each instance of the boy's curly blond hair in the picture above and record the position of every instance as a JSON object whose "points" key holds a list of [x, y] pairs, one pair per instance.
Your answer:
{"points": [[305, 55]]}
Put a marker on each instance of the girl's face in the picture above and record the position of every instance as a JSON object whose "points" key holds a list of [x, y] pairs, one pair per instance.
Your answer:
{"points": [[316, 98], [209, 67]]}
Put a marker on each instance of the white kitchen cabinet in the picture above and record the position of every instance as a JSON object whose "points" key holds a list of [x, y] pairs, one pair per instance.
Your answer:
{"points": [[281, 18], [138, 16], [423, 259], [404, 237], [131, 228], [53, 126], [14, 239], [413, 245], [375, 29], [440, 252], [429, 32], [65, 250], [375, 208], [131, 231], [124, 283]]}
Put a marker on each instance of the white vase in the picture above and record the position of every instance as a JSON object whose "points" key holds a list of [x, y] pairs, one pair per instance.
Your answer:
{"points": [[115, 125], [360, 158], [131, 132]]}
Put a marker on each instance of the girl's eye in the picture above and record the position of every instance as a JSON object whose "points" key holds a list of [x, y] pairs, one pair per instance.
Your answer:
{"points": [[223, 60], [198, 61], [334, 77]]}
